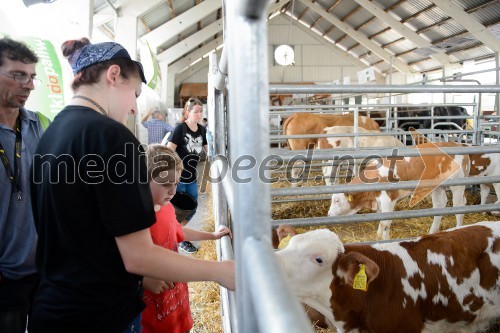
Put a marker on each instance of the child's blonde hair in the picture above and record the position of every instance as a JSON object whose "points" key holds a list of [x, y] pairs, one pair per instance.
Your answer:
{"points": [[160, 159]]}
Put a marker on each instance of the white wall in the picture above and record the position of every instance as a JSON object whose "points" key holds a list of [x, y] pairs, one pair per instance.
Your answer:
{"points": [[313, 61]]}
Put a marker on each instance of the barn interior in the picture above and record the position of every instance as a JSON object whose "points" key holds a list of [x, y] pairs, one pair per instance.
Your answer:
{"points": [[432, 65]]}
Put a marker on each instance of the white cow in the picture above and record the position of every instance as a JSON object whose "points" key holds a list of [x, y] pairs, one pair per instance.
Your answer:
{"points": [[348, 142], [344, 142]]}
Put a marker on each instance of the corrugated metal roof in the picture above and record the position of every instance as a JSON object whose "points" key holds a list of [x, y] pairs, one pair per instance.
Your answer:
{"points": [[422, 16]]}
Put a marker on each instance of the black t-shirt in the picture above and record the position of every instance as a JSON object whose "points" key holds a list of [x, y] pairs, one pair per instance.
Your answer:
{"points": [[89, 185], [189, 147]]}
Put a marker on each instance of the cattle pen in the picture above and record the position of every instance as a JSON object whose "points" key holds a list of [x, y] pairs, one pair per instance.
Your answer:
{"points": [[241, 170]]}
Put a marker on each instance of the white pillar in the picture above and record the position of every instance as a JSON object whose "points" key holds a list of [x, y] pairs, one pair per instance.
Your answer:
{"points": [[126, 34], [497, 80], [87, 21], [448, 70], [169, 88]]}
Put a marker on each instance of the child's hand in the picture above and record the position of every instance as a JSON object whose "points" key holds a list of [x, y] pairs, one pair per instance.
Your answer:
{"points": [[223, 230], [156, 286]]}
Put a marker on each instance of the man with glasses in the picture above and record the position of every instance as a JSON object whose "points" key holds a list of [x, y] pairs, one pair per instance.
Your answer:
{"points": [[20, 131]]}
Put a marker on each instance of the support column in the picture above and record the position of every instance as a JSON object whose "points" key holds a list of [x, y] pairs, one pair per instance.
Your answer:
{"points": [[497, 95], [168, 89], [126, 35], [85, 10]]}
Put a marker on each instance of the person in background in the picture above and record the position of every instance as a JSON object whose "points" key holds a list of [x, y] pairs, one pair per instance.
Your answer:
{"points": [[189, 140], [20, 131], [93, 206], [167, 304], [204, 122], [157, 127]]}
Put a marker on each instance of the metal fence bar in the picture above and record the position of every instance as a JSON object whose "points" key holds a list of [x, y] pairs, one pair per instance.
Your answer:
{"points": [[220, 206], [315, 198], [249, 136], [347, 107], [328, 154], [379, 89], [306, 136], [372, 217], [402, 185]]}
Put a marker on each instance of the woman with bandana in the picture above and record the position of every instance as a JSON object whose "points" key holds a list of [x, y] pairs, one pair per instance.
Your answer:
{"points": [[93, 206]]}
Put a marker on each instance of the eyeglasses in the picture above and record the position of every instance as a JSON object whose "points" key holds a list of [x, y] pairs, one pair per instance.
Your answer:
{"points": [[23, 78]]}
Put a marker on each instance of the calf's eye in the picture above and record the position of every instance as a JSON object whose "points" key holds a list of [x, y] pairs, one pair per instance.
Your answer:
{"points": [[319, 260]]}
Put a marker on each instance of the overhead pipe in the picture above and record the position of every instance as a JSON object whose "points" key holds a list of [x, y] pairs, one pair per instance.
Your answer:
{"points": [[334, 89]]}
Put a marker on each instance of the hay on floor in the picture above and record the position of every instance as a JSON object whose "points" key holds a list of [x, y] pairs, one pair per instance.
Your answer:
{"points": [[204, 297]]}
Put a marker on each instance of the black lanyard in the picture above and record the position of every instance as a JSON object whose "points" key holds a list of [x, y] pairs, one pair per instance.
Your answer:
{"points": [[15, 177]]}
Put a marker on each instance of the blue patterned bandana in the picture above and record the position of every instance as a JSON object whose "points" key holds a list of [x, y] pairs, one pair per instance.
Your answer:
{"points": [[95, 53]]}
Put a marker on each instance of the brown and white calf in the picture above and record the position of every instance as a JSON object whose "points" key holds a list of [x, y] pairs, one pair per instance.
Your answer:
{"points": [[348, 142], [486, 165], [440, 283], [438, 167]]}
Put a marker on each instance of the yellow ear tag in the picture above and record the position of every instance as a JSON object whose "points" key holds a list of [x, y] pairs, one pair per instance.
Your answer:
{"points": [[284, 242], [349, 197], [360, 280]]}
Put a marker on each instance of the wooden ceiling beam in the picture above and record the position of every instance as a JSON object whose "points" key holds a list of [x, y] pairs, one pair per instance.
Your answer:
{"points": [[332, 7]]}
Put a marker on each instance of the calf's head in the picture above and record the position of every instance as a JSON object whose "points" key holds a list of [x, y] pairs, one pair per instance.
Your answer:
{"points": [[351, 203], [307, 261], [314, 260]]}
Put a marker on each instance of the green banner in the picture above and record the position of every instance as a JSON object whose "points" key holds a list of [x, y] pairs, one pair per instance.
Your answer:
{"points": [[155, 82], [48, 98]]}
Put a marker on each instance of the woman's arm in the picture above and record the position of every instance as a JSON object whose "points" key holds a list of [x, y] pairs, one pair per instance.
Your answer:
{"points": [[142, 257]]}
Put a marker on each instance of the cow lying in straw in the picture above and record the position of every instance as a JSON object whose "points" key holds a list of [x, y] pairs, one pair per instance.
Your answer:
{"points": [[443, 283], [440, 167]]}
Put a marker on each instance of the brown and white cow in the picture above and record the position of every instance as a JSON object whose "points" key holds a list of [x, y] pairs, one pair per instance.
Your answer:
{"points": [[486, 165], [308, 123], [440, 283], [348, 142], [438, 167]]}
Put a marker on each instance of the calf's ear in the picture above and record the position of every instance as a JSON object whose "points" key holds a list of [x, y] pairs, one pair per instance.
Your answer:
{"points": [[351, 263]]}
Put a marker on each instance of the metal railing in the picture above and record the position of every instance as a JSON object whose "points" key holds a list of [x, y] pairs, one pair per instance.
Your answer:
{"points": [[258, 277], [262, 301]]}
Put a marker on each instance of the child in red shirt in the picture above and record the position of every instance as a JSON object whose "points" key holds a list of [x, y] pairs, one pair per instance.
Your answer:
{"points": [[167, 304]]}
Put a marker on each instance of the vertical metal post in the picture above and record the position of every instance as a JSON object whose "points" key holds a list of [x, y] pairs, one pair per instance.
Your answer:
{"points": [[216, 120], [216, 124], [249, 138], [497, 99]]}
